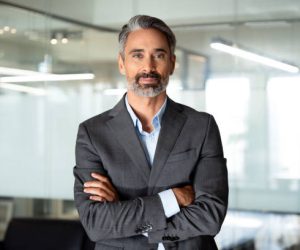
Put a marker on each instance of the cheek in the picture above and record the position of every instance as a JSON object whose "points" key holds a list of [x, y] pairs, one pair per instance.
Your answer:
{"points": [[130, 75], [164, 71], [131, 70]]}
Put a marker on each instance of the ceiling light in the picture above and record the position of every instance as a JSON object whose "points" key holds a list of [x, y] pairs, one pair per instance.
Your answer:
{"points": [[21, 88], [21, 75], [268, 24], [48, 77], [13, 31], [64, 40], [234, 50], [17, 72], [6, 28], [59, 36], [53, 41]]}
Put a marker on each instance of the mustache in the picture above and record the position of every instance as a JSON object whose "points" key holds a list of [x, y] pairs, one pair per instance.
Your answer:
{"points": [[147, 75]]}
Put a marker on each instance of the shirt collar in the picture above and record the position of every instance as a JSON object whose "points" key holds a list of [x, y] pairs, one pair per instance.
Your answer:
{"points": [[156, 121]]}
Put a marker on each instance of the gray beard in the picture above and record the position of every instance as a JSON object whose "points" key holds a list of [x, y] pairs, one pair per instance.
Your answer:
{"points": [[148, 90]]}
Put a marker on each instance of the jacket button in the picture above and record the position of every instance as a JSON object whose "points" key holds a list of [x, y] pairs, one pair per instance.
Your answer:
{"points": [[138, 230], [167, 238]]}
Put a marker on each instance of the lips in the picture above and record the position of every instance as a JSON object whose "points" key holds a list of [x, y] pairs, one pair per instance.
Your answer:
{"points": [[150, 78]]}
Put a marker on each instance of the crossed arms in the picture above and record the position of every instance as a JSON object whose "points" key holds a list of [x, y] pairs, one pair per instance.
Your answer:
{"points": [[105, 216], [102, 190]]}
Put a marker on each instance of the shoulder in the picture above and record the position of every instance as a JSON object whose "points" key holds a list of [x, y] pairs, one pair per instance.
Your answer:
{"points": [[190, 112], [100, 119], [96, 120], [194, 119]]}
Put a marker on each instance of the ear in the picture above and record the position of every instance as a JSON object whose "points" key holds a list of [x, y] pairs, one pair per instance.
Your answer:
{"points": [[173, 61], [121, 65]]}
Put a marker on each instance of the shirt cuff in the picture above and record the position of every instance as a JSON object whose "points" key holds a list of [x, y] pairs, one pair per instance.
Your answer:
{"points": [[160, 247], [169, 203]]}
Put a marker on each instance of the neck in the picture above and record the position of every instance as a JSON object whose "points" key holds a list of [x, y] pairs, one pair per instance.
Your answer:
{"points": [[146, 108]]}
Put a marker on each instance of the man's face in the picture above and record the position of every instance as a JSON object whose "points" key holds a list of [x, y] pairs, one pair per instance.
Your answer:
{"points": [[147, 62]]}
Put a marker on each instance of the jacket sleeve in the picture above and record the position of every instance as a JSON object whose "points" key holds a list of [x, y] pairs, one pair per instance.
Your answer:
{"points": [[205, 216], [108, 220]]}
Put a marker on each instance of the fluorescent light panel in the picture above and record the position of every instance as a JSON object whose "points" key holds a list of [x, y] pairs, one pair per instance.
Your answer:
{"points": [[47, 78], [17, 72], [21, 75], [235, 51]]}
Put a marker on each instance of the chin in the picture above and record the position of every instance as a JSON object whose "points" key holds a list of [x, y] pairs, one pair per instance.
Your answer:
{"points": [[148, 85]]}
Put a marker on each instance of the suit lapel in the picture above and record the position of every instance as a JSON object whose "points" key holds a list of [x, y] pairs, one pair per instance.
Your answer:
{"points": [[172, 123], [123, 128]]}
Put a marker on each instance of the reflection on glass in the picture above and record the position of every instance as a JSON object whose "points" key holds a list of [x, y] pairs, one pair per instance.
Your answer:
{"points": [[284, 133], [227, 99]]}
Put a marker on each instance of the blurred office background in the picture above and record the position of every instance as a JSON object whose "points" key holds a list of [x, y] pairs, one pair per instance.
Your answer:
{"points": [[58, 67]]}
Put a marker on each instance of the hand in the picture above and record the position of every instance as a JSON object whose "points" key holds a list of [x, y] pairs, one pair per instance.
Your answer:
{"points": [[101, 189], [185, 195]]}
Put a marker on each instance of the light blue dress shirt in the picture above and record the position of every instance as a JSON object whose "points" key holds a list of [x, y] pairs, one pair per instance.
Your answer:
{"points": [[149, 141]]}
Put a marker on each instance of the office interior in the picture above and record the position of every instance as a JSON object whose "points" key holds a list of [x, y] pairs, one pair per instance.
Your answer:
{"points": [[236, 59]]}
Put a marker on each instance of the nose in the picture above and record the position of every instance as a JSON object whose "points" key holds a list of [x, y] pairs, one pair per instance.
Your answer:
{"points": [[149, 64]]}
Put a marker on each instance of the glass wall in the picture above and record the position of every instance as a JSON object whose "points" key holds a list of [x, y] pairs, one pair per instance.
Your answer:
{"points": [[255, 106]]}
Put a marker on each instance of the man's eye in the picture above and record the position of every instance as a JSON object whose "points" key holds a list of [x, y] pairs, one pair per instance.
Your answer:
{"points": [[160, 56], [138, 55]]}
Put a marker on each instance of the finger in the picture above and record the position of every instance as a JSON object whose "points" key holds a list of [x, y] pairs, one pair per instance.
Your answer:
{"points": [[100, 177], [92, 184], [96, 198], [98, 184], [190, 187], [100, 187], [104, 179], [95, 191], [101, 193], [108, 187]]}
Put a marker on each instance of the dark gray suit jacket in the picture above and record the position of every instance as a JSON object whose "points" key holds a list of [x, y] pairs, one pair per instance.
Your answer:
{"points": [[189, 151]]}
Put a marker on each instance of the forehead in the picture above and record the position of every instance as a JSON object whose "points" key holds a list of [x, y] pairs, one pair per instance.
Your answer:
{"points": [[146, 39]]}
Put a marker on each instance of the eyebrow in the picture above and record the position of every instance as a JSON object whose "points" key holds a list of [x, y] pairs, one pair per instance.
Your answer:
{"points": [[142, 50], [135, 50], [160, 50]]}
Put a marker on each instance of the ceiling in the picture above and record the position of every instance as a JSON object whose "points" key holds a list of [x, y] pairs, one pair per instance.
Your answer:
{"points": [[266, 26], [114, 13]]}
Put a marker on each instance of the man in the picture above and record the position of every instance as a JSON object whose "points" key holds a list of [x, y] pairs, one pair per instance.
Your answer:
{"points": [[150, 173]]}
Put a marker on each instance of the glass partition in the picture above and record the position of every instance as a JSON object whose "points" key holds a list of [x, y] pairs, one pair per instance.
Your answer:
{"points": [[54, 74]]}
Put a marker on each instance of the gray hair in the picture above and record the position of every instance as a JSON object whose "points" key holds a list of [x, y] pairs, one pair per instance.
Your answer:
{"points": [[146, 22]]}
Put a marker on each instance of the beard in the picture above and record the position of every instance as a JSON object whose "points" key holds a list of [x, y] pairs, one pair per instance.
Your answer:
{"points": [[148, 90]]}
